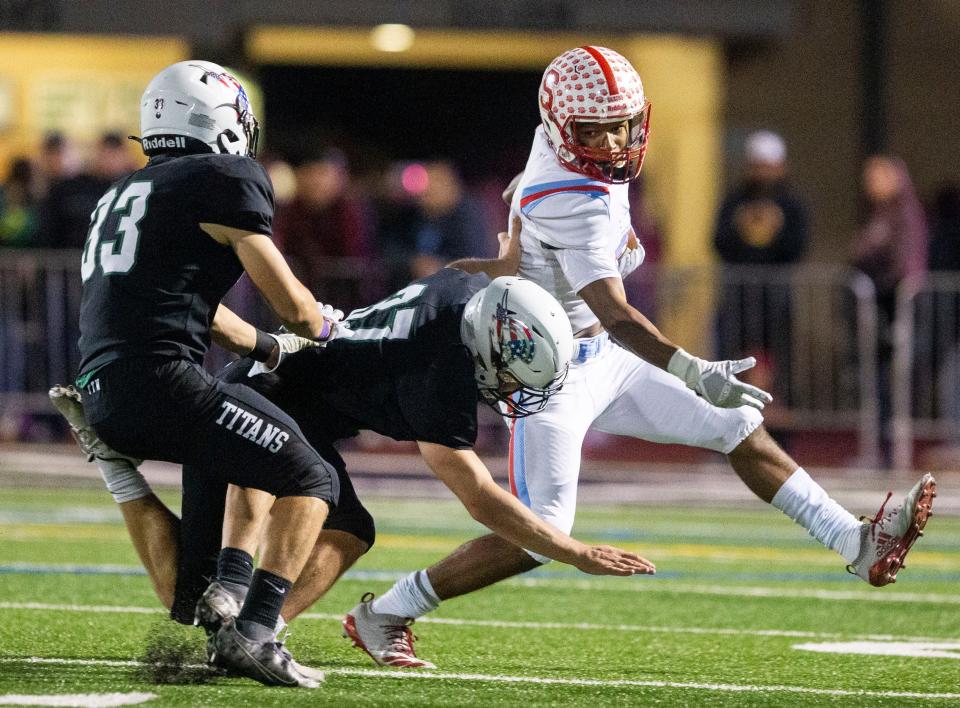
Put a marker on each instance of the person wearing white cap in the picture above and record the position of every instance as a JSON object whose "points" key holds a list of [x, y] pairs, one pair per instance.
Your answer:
{"points": [[763, 223], [766, 148]]}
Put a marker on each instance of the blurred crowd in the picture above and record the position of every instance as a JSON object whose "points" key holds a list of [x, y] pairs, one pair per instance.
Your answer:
{"points": [[351, 238], [354, 237], [764, 220], [331, 226]]}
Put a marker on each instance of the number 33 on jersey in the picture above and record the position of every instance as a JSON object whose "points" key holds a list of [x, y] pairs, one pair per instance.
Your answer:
{"points": [[116, 252]]}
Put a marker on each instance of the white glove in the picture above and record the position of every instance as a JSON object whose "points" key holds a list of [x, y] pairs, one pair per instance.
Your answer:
{"points": [[288, 343], [330, 312], [338, 329], [716, 381]]}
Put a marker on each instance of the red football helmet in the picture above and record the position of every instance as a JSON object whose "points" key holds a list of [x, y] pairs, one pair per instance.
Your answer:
{"points": [[595, 85]]}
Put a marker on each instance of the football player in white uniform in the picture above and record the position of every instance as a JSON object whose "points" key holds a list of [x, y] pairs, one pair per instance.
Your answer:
{"points": [[626, 377]]}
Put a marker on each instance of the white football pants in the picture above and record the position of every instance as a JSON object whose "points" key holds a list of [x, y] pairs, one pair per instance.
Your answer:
{"points": [[613, 391]]}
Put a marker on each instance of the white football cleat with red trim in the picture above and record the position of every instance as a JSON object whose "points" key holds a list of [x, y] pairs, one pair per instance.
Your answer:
{"points": [[888, 537], [386, 638]]}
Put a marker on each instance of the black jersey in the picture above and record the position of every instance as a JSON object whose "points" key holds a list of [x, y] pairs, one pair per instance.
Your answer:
{"points": [[405, 373], [152, 279]]}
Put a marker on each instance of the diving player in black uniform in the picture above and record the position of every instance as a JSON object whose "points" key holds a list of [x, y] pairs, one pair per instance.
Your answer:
{"points": [[165, 244], [413, 369]]}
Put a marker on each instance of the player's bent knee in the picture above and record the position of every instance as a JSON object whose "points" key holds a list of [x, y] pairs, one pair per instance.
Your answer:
{"points": [[356, 521], [317, 480], [748, 419]]}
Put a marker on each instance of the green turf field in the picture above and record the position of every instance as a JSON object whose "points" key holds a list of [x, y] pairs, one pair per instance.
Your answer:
{"points": [[736, 592]]}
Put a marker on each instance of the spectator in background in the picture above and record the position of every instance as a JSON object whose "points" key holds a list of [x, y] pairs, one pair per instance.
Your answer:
{"points": [[761, 222], [452, 223], [58, 160], [889, 246], [323, 224], [65, 213], [891, 242], [398, 219], [18, 206]]}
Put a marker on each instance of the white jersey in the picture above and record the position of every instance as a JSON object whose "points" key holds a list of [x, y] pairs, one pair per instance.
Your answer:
{"points": [[576, 230]]}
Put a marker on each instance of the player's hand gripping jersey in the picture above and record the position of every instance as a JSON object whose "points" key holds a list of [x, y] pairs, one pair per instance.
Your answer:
{"points": [[575, 230]]}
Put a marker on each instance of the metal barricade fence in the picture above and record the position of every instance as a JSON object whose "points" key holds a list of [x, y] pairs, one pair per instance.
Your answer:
{"points": [[925, 364], [39, 327], [813, 329]]}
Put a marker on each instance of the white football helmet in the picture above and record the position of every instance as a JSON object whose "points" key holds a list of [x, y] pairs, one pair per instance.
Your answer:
{"points": [[594, 85], [197, 100], [521, 342]]}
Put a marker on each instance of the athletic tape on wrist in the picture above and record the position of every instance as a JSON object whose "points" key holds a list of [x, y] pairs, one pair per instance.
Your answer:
{"points": [[263, 349]]}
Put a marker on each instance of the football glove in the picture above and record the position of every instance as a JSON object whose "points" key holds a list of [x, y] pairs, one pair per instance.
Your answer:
{"points": [[717, 382], [334, 328]]}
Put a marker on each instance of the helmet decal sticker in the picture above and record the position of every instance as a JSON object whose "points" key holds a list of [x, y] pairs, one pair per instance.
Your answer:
{"points": [[516, 339]]}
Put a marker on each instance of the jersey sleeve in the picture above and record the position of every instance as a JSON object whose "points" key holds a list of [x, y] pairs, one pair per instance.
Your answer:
{"points": [[566, 213], [238, 193]]}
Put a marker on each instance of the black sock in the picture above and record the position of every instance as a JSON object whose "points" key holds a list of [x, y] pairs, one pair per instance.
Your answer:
{"points": [[258, 617], [235, 571]]}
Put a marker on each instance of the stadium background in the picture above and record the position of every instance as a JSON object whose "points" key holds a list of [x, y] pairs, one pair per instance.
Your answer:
{"points": [[838, 80]]}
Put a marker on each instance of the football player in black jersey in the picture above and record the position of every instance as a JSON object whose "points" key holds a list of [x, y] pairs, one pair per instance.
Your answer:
{"points": [[164, 246], [411, 370]]}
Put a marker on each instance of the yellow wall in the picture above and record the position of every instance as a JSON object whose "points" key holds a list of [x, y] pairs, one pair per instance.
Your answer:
{"points": [[81, 85], [683, 79]]}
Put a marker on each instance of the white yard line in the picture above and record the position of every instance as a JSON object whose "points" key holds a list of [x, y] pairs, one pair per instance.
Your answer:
{"points": [[642, 585], [83, 700], [925, 650], [505, 624], [599, 683]]}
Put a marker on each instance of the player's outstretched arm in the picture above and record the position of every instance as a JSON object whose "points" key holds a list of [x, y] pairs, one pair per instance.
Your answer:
{"points": [[716, 381], [467, 477], [290, 299], [507, 261]]}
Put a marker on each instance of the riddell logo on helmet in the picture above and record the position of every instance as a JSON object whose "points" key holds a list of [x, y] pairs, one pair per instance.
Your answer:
{"points": [[173, 142]]}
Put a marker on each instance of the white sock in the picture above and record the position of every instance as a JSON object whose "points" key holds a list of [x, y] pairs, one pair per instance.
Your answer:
{"points": [[808, 504], [123, 480], [411, 596]]}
